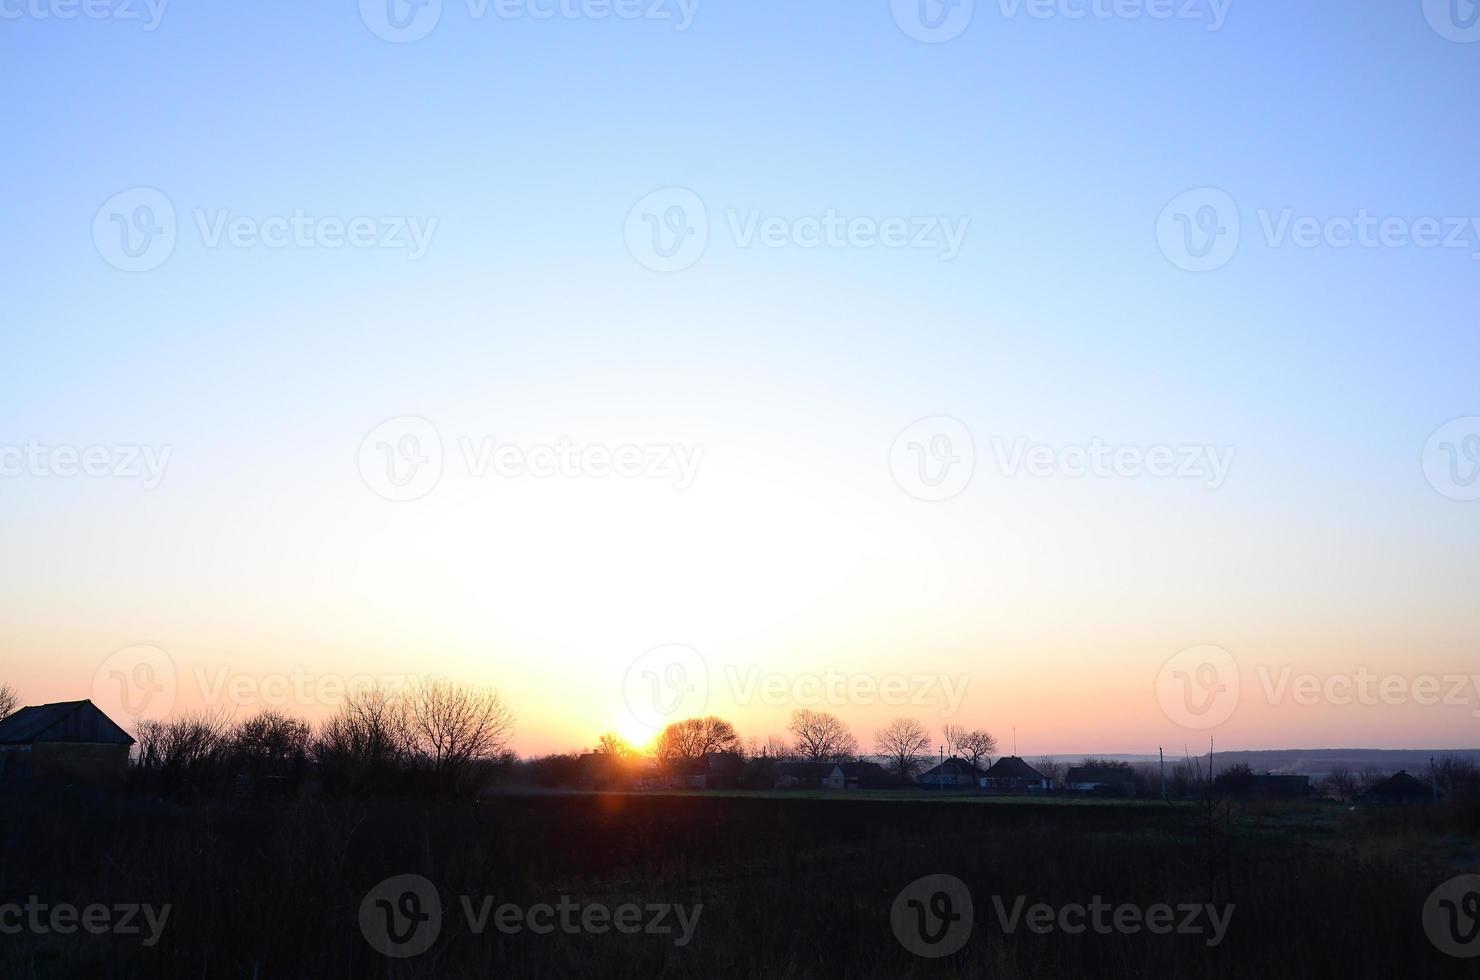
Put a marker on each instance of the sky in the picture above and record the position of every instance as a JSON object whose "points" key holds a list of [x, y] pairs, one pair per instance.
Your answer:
{"points": [[1105, 372]]}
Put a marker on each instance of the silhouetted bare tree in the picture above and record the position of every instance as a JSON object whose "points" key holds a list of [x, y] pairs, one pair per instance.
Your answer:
{"points": [[1340, 783], [452, 726], [270, 742], [977, 747], [1459, 777], [615, 745], [774, 747], [370, 735], [8, 701], [1051, 768], [951, 735], [1369, 777], [187, 752], [821, 737], [693, 738], [904, 742]]}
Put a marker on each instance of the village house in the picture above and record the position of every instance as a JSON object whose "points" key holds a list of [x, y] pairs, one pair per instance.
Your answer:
{"points": [[1102, 780], [713, 770], [809, 775], [1399, 788], [1011, 774], [1262, 786], [868, 775], [953, 772], [69, 742]]}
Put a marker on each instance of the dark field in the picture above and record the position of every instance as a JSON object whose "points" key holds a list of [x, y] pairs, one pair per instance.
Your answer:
{"points": [[789, 886]]}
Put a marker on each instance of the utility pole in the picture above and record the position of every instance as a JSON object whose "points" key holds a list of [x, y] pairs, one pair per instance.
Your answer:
{"points": [[1163, 757], [942, 768]]}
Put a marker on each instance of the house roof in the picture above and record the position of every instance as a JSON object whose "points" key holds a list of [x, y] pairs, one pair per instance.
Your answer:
{"points": [[861, 768], [1099, 774], [63, 721], [1281, 778], [1012, 767], [954, 767], [869, 775], [1400, 785]]}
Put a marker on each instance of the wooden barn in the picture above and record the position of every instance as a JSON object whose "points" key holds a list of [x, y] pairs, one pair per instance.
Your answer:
{"points": [[69, 742]]}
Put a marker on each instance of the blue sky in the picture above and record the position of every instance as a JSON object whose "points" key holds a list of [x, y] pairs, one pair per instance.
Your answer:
{"points": [[1058, 142]]}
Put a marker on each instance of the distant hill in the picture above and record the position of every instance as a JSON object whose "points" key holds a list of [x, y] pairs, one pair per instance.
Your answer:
{"points": [[1309, 762], [1318, 762]]}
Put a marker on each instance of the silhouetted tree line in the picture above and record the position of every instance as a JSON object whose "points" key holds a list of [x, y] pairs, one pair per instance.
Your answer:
{"points": [[437, 739]]}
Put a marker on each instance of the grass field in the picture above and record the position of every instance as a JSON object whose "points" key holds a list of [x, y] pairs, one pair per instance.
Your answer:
{"points": [[790, 884]]}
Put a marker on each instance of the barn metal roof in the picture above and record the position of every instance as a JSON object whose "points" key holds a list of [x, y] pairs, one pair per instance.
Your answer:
{"points": [[64, 721]]}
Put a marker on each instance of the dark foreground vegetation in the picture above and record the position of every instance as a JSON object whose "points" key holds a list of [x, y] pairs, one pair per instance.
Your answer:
{"points": [[789, 887]]}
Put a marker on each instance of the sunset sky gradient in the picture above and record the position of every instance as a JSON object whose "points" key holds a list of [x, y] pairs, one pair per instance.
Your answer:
{"points": [[263, 552]]}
